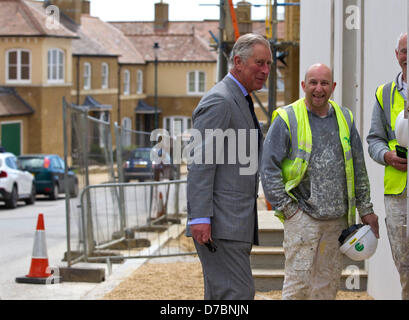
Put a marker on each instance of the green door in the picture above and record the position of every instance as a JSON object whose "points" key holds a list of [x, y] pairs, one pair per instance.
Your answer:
{"points": [[11, 137]]}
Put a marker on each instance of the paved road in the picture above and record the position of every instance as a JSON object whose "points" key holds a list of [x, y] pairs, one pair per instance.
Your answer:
{"points": [[17, 230]]}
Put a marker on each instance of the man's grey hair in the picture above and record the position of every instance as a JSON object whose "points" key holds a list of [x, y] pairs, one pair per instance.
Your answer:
{"points": [[399, 38], [244, 46]]}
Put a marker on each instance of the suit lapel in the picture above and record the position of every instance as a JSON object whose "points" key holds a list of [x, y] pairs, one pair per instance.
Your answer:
{"points": [[240, 101]]}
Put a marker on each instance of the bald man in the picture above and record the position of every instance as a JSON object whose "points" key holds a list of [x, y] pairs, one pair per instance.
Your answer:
{"points": [[304, 178]]}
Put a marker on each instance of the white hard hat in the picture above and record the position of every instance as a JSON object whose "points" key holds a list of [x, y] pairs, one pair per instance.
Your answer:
{"points": [[358, 242], [401, 130]]}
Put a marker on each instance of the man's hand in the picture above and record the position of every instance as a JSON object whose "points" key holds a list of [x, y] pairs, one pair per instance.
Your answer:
{"points": [[398, 163], [201, 232], [372, 220]]}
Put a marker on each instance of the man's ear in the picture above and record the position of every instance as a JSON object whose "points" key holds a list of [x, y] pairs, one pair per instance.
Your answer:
{"points": [[237, 62], [303, 85]]}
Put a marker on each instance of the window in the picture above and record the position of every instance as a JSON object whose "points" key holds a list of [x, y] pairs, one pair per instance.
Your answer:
{"points": [[126, 132], [196, 82], [11, 162], [104, 75], [177, 125], [127, 79], [139, 82], [87, 75], [55, 65], [18, 65]]}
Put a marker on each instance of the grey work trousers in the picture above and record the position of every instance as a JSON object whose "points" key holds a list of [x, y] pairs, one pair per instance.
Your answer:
{"points": [[395, 209]]}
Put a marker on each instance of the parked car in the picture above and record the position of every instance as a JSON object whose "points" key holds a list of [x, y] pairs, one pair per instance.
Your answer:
{"points": [[139, 165], [15, 184], [48, 171]]}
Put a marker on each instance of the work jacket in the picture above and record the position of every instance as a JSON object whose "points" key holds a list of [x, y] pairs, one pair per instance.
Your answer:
{"points": [[392, 103], [295, 167]]}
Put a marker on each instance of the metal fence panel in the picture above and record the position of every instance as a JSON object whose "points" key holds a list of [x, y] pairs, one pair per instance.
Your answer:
{"points": [[109, 214]]}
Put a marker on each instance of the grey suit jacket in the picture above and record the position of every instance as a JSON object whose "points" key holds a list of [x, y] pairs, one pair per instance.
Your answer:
{"points": [[221, 191]]}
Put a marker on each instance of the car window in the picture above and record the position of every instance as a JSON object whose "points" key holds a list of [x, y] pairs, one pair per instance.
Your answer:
{"points": [[55, 163], [11, 162], [31, 163], [142, 154], [61, 161]]}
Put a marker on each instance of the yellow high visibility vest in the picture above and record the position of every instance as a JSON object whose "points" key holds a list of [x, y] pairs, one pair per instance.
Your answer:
{"points": [[295, 167], [392, 104]]}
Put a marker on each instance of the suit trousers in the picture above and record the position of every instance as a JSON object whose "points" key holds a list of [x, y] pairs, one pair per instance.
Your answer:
{"points": [[227, 272]]}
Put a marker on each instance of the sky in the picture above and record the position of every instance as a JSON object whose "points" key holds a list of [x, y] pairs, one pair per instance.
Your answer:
{"points": [[143, 10]]}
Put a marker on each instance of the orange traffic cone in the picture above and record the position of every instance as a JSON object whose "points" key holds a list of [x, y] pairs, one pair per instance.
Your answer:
{"points": [[39, 270], [268, 204], [161, 206]]}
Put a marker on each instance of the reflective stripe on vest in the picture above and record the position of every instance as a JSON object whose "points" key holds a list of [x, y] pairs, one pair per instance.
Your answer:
{"points": [[392, 104], [295, 167]]}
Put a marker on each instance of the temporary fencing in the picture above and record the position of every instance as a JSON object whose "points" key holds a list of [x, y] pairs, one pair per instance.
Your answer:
{"points": [[137, 219], [109, 214]]}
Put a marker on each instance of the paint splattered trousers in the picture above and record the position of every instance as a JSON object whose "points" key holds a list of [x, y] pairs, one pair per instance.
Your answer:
{"points": [[313, 261], [395, 208]]}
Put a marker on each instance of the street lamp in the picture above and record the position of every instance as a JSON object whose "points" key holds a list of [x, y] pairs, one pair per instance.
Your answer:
{"points": [[155, 50]]}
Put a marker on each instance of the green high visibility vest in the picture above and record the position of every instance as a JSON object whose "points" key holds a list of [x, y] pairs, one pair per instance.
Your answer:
{"points": [[392, 104], [295, 167]]}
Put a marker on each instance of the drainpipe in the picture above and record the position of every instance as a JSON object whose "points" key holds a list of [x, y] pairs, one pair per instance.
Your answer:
{"points": [[119, 95], [78, 80]]}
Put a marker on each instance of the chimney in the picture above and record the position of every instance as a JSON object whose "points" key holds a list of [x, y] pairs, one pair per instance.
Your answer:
{"points": [[86, 7], [161, 16], [71, 8], [243, 13]]}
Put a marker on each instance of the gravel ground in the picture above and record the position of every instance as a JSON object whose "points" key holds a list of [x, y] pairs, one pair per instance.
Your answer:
{"points": [[167, 279]]}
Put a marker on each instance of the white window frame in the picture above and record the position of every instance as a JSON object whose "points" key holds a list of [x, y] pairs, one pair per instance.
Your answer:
{"points": [[196, 90], [126, 132], [59, 65], [104, 116], [19, 66], [127, 82], [169, 124], [104, 75], [139, 82], [87, 75]]}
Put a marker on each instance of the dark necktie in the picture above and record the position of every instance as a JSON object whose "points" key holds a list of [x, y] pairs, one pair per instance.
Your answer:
{"points": [[253, 114]]}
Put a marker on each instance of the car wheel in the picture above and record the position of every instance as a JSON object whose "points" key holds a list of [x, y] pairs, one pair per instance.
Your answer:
{"points": [[75, 190], [11, 202], [54, 192], [32, 198]]}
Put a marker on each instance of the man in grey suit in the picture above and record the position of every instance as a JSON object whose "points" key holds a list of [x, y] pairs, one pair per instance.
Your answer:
{"points": [[221, 186]]}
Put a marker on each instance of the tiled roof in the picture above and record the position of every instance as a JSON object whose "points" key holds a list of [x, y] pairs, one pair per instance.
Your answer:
{"points": [[182, 41], [180, 27], [201, 28], [27, 18], [98, 37], [176, 48], [11, 104]]}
